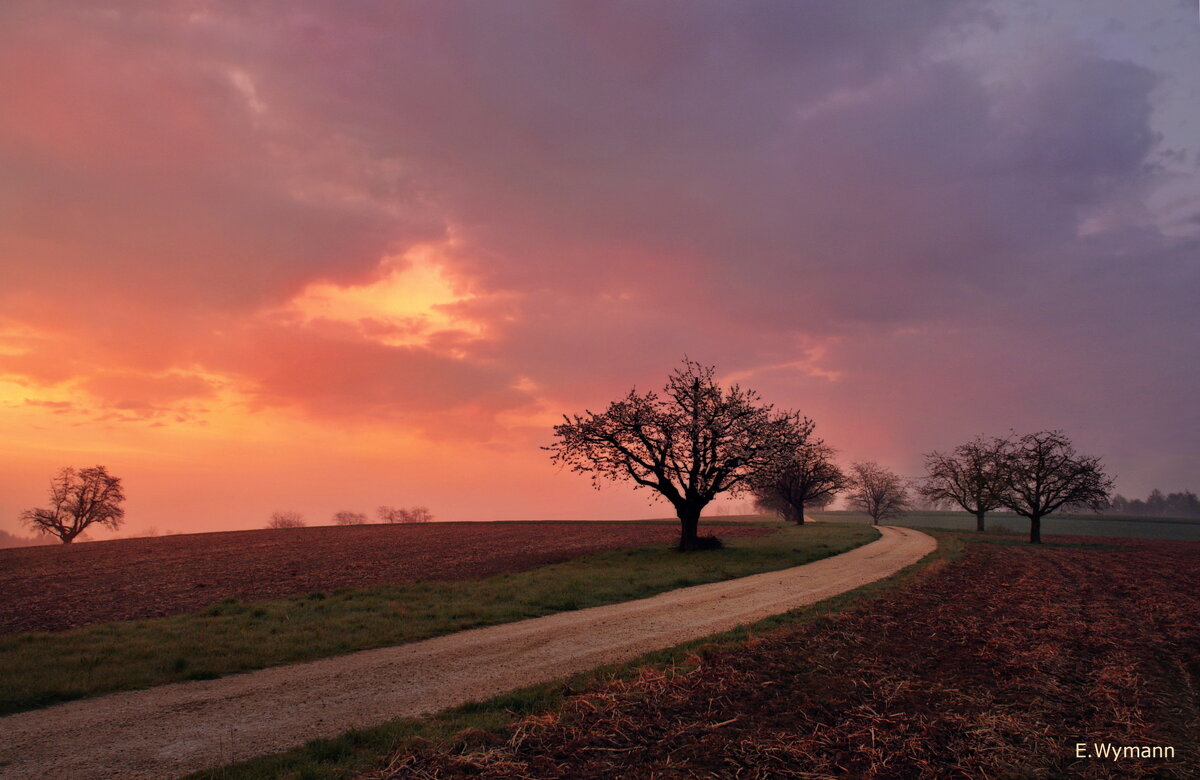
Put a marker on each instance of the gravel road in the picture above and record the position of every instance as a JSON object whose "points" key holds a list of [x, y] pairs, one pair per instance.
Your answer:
{"points": [[179, 728]]}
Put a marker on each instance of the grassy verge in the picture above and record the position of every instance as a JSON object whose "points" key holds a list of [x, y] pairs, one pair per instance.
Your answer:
{"points": [[39, 669], [1181, 529], [478, 724]]}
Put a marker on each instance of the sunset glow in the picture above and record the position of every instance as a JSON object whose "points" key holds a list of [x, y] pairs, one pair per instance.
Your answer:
{"points": [[370, 253]]}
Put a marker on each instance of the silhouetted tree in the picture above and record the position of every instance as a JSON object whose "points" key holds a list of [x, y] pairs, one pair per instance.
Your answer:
{"points": [[388, 514], [1043, 474], [350, 518], [880, 493], [808, 478], [971, 477], [689, 445], [418, 514], [79, 499], [286, 520]]}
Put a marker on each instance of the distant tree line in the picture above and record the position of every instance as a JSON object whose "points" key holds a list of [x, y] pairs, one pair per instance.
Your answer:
{"points": [[1183, 504], [12, 540], [391, 514], [386, 514]]}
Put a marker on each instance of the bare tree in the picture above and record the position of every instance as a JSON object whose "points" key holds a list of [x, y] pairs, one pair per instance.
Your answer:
{"points": [[971, 477], [808, 478], [350, 518], [689, 445], [79, 499], [1043, 474], [286, 520], [880, 493], [389, 514], [418, 514]]}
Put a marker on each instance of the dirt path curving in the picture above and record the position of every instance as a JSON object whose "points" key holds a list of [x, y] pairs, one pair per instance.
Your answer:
{"points": [[179, 728]]}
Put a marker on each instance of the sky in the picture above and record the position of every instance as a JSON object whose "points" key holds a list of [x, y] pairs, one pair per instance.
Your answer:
{"points": [[322, 256]]}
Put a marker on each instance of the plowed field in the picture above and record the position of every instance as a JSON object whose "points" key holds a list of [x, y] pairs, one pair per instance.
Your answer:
{"points": [[61, 587], [1000, 664]]}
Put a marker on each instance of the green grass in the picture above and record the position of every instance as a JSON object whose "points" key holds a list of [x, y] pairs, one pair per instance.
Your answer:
{"points": [[39, 669], [1063, 524], [477, 724]]}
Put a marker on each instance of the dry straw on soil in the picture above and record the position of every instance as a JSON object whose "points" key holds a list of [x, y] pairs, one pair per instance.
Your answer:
{"points": [[992, 666]]}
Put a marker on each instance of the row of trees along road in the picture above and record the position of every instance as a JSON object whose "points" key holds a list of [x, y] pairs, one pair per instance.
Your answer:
{"points": [[697, 440]]}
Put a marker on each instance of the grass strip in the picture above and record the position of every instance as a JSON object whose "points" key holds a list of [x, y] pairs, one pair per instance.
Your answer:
{"points": [[476, 725], [39, 669]]}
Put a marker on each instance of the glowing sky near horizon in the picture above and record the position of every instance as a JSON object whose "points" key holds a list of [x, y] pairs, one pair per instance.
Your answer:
{"points": [[322, 256]]}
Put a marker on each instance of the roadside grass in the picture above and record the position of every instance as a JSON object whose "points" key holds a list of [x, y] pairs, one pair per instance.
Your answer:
{"points": [[39, 669], [477, 725], [1182, 529]]}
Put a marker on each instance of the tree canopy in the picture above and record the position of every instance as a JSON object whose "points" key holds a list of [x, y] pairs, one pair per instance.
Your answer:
{"points": [[689, 444], [877, 491], [79, 499], [971, 477], [1043, 473], [808, 477]]}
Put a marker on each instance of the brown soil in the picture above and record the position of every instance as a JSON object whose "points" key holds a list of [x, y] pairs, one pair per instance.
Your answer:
{"points": [[66, 586], [169, 730], [997, 665]]}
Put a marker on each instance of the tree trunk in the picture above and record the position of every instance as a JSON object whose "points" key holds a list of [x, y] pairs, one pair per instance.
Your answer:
{"points": [[689, 522], [979, 521], [1035, 529]]}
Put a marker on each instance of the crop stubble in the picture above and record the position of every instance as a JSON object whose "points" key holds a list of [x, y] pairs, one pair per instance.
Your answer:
{"points": [[995, 665]]}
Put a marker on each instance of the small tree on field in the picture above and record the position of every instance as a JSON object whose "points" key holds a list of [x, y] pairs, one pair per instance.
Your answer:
{"points": [[79, 499], [808, 478], [971, 477], [1043, 474], [286, 520], [350, 518], [880, 493], [689, 445]]}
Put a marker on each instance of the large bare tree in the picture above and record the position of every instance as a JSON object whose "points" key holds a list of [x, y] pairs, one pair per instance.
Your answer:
{"points": [[808, 478], [881, 493], [1044, 473], [79, 499], [971, 477], [690, 444]]}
